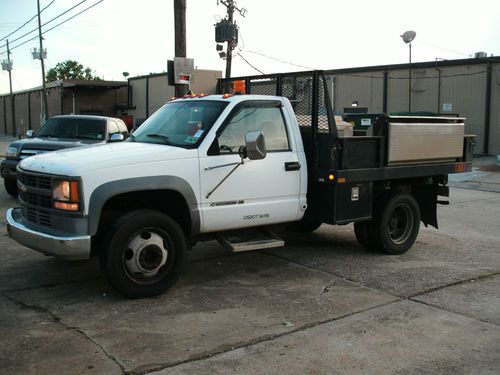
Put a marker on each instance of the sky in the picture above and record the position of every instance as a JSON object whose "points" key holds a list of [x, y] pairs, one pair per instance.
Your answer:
{"points": [[137, 37]]}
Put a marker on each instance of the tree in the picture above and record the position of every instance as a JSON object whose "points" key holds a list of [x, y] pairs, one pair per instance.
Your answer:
{"points": [[70, 69]]}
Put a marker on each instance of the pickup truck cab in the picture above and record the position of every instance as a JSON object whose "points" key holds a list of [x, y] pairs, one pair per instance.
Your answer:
{"points": [[57, 133], [206, 165]]}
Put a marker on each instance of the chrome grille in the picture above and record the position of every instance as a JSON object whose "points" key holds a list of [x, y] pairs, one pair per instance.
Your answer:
{"points": [[37, 216], [35, 197], [32, 180]]}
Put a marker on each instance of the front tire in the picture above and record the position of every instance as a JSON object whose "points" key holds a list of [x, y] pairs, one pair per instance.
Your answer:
{"points": [[11, 186], [145, 253], [395, 226]]}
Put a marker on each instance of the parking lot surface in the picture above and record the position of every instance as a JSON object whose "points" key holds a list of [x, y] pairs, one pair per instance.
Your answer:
{"points": [[320, 305]]}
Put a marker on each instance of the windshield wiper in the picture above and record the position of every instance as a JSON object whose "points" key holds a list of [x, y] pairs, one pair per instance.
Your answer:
{"points": [[164, 137], [47, 135], [94, 138]]}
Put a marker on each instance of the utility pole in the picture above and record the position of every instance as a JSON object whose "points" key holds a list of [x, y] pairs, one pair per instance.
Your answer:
{"points": [[44, 92], [180, 37], [229, 53], [409, 83], [12, 104], [232, 42]]}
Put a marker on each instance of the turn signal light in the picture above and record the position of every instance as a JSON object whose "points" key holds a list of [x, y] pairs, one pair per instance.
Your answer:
{"points": [[66, 206]]}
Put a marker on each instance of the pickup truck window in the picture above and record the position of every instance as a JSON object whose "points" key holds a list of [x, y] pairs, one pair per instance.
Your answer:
{"points": [[182, 123], [80, 128], [267, 119]]}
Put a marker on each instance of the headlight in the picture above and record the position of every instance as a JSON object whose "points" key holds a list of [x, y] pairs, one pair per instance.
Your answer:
{"points": [[65, 195], [11, 152]]}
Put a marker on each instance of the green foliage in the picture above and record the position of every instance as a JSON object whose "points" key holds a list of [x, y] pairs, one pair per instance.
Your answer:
{"points": [[70, 69]]}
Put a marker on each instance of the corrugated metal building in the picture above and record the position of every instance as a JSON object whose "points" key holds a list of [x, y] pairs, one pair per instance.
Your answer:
{"points": [[468, 88], [148, 93], [63, 97]]}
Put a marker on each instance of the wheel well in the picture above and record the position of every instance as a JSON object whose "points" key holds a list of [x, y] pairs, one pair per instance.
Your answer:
{"points": [[425, 192], [169, 202]]}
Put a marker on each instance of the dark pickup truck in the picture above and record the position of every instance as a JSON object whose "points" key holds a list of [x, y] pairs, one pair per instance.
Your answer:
{"points": [[57, 133]]}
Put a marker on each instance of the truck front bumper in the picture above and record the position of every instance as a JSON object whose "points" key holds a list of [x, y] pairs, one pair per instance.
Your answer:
{"points": [[8, 168], [64, 247]]}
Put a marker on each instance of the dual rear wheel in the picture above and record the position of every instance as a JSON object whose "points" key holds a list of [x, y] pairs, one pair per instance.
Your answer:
{"points": [[394, 227]]}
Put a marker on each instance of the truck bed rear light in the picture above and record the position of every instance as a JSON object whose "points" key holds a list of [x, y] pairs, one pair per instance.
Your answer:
{"points": [[460, 167]]}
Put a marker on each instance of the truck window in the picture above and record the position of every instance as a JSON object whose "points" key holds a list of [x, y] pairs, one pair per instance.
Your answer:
{"points": [[180, 123], [267, 119], [73, 127]]}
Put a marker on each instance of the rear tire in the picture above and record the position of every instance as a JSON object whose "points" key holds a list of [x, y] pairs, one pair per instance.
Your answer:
{"points": [[144, 254], [396, 223], [11, 186]]}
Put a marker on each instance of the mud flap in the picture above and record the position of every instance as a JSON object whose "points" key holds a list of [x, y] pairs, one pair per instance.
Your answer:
{"points": [[426, 196]]}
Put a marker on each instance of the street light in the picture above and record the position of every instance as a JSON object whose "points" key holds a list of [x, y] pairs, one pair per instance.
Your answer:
{"points": [[408, 37]]}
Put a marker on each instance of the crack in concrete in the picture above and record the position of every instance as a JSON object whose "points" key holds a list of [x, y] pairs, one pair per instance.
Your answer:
{"points": [[453, 311], [458, 282], [49, 285], [331, 319], [203, 356], [59, 321]]}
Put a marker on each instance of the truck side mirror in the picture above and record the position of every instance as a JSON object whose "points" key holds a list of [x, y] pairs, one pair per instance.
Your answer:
{"points": [[116, 137], [255, 146], [29, 133]]}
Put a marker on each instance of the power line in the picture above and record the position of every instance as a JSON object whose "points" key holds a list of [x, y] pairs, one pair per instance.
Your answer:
{"points": [[281, 61], [46, 23], [444, 49], [245, 60], [413, 77], [59, 24], [24, 24]]}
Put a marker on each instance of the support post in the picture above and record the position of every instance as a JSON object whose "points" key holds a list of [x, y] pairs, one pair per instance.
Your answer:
{"points": [[45, 110], [180, 37], [12, 104]]}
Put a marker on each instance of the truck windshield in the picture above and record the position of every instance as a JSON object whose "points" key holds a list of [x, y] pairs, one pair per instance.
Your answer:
{"points": [[180, 123], [80, 128]]}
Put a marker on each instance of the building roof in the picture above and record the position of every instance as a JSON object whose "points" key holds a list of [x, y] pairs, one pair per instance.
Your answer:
{"points": [[69, 83]]}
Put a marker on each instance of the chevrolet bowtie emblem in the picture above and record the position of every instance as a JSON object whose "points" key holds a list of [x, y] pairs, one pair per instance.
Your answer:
{"points": [[22, 187]]}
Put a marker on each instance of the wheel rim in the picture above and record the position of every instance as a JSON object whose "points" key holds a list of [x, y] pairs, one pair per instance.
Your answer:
{"points": [[147, 256], [400, 224]]}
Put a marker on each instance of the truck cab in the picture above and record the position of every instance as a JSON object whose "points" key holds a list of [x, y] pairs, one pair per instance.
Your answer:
{"points": [[188, 162]]}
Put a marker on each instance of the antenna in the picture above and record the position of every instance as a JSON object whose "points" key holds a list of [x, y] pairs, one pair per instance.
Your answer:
{"points": [[408, 36]]}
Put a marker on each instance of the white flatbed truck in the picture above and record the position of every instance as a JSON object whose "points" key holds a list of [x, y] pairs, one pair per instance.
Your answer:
{"points": [[205, 165]]}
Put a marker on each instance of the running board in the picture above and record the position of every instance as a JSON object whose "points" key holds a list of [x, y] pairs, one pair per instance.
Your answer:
{"points": [[249, 239]]}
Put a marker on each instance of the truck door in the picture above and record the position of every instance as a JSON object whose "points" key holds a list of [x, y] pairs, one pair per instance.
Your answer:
{"points": [[259, 192]]}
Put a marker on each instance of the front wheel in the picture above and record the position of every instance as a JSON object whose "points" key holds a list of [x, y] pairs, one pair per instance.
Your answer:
{"points": [[395, 226], [144, 254], [11, 186]]}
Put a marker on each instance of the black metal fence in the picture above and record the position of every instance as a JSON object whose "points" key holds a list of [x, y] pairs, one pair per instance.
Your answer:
{"points": [[310, 99]]}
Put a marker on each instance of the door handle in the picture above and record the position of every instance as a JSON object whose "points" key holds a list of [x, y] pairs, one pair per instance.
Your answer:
{"points": [[292, 166]]}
